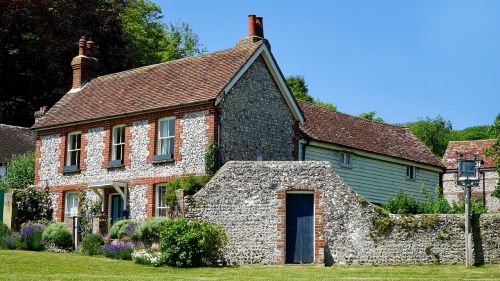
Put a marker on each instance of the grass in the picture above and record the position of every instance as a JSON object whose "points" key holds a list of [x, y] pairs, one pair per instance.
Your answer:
{"points": [[23, 265]]}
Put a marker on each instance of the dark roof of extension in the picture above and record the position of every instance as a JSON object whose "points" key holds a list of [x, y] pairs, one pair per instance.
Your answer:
{"points": [[175, 83], [15, 140], [468, 149], [326, 125]]}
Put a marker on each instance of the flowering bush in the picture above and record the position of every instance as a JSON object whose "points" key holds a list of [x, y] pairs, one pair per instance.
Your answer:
{"points": [[57, 235], [121, 250], [147, 257], [31, 237], [123, 228], [32, 204], [9, 242], [149, 231]]}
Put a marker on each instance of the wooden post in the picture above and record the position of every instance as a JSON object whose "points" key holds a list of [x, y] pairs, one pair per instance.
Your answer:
{"points": [[468, 234]]}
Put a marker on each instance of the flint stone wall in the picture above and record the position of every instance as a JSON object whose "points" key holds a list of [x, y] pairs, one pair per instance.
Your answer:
{"points": [[244, 198], [455, 193]]}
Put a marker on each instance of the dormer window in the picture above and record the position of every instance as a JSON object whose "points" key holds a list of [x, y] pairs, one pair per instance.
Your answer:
{"points": [[117, 145], [165, 141], [73, 151]]}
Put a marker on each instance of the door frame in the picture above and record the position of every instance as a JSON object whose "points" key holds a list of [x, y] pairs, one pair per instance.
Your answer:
{"points": [[110, 203], [311, 192]]}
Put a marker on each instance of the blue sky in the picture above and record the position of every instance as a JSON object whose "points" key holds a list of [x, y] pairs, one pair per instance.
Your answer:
{"points": [[403, 59]]}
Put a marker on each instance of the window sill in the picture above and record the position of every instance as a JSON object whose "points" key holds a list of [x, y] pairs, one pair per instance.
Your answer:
{"points": [[114, 164], [71, 169], [410, 179], [163, 161], [345, 166], [115, 167]]}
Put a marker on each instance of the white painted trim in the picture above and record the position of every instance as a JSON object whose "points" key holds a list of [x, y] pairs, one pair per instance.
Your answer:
{"points": [[273, 69]]}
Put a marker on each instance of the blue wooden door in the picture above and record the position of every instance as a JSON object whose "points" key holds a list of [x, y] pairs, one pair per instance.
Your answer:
{"points": [[1, 204], [116, 208], [299, 228]]}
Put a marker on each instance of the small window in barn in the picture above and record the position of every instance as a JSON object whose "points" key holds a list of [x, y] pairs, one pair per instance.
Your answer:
{"points": [[73, 151], [70, 204], [165, 142], [117, 145], [161, 209], [410, 172], [345, 159]]}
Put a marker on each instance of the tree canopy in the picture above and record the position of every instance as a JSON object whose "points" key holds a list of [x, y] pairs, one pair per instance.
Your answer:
{"points": [[433, 132], [20, 172], [371, 116], [495, 153], [300, 91], [39, 39]]}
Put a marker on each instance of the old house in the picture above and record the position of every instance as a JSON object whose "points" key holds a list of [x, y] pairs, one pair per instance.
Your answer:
{"points": [[488, 173], [122, 136], [375, 159]]}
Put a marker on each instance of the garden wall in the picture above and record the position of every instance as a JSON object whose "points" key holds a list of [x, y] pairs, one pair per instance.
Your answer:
{"points": [[248, 199]]}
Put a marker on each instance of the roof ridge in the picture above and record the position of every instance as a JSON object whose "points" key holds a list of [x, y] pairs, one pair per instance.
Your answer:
{"points": [[174, 61], [357, 117], [14, 126]]}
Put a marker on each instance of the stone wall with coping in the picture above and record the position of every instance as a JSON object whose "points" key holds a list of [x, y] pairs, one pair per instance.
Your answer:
{"points": [[247, 199], [454, 193], [255, 119]]}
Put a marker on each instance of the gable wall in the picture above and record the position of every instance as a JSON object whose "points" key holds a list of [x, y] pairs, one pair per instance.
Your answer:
{"points": [[193, 129], [374, 179], [455, 193], [255, 119]]}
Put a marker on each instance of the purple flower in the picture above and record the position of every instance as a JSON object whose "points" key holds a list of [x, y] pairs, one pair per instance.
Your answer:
{"points": [[31, 229], [117, 247], [130, 229]]}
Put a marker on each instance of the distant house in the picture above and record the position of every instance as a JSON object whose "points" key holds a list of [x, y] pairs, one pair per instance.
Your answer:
{"points": [[488, 173], [376, 159], [14, 140]]}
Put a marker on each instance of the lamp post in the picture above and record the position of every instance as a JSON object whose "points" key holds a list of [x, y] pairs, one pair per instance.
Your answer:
{"points": [[468, 176]]}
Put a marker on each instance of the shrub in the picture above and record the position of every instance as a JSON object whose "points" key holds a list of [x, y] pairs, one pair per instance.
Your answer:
{"points": [[32, 204], [402, 204], [190, 184], [58, 235], [91, 244], [122, 250], [147, 257], [192, 243], [211, 166], [122, 229], [4, 230], [149, 231], [10, 242], [31, 237]]}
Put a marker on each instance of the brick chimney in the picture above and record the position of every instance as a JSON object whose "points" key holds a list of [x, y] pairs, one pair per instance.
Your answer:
{"points": [[84, 65], [255, 30]]}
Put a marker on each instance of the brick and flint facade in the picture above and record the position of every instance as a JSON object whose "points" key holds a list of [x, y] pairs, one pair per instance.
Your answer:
{"points": [[235, 98]]}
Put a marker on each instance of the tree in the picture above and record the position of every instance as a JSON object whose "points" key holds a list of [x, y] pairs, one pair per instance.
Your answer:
{"points": [[371, 116], [494, 151], [38, 40], [20, 172], [434, 133], [473, 133], [298, 87]]}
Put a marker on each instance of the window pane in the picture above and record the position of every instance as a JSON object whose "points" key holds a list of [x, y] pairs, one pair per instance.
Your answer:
{"points": [[163, 212], [171, 148], [71, 204], [118, 152], [163, 128], [171, 127], [78, 139]]}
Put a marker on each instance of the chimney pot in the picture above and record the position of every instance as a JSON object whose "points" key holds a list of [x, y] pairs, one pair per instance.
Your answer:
{"points": [[41, 112], [90, 48], [252, 28], [81, 46], [259, 26]]}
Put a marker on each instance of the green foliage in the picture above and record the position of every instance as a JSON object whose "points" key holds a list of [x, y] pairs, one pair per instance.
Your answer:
{"points": [[153, 41], [211, 166], [33, 204], [494, 151], [192, 243], [472, 133], [371, 116], [4, 230], [20, 172], [190, 184], [31, 237], [58, 235], [123, 228], [402, 204], [149, 230], [434, 133], [87, 208], [91, 244], [381, 223], [298, 87]]}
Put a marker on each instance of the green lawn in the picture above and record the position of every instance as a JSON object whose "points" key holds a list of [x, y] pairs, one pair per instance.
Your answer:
{"points": [[22, 265]]}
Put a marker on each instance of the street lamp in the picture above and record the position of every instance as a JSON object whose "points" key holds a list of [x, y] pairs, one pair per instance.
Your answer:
{"points": [[468, 176]]}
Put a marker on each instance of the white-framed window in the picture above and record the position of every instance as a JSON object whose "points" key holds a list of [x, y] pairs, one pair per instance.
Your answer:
{"points": [[411, 172], [74, 147], [70, 204], [165, 144], [118, 143], [345, 159], [161, 209]]}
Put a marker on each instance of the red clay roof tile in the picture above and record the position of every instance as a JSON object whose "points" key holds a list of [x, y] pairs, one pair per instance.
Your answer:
{"points": [[468, 149]]}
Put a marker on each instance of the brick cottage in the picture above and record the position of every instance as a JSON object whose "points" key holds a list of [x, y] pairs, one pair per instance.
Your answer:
{"points": [[122, 136]]}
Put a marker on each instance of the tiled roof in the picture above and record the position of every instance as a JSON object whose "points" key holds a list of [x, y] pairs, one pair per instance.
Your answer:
{"points": [[326, 125], [468, 149], [15, 140], [168, 84]]}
